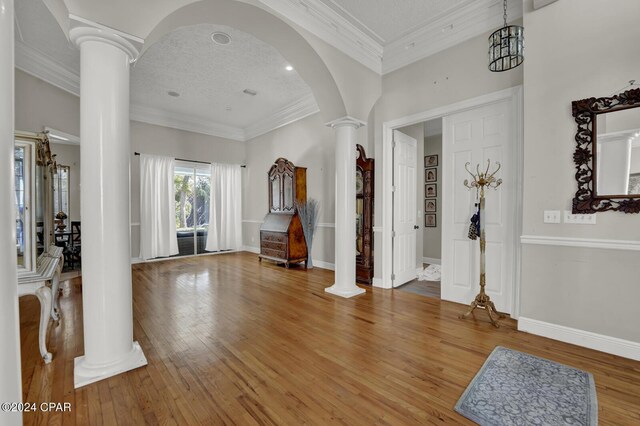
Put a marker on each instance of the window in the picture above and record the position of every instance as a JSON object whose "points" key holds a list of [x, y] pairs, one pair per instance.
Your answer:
{"points": [[23, 169], [192, 185], [61, 195]]}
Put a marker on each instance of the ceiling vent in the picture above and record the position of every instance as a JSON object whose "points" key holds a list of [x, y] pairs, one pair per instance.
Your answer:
{"points": [[221, 38], [249, 92]]}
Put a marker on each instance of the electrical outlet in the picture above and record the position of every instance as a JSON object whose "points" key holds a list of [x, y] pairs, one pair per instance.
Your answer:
{"points": [[552, 216], [579, 219]]}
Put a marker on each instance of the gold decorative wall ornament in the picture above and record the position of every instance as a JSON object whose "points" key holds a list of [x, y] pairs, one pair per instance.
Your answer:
{"points": [[480, 181]]}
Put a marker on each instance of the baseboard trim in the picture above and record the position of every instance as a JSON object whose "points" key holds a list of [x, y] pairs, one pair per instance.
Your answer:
{"points": [[316, 263], [377, 282], [431, 260], [324, 265], [587, 339], [580, 242]]}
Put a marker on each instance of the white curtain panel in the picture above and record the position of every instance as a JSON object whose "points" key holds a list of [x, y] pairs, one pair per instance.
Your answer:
{"points": [[158, 236], [225, 208]]}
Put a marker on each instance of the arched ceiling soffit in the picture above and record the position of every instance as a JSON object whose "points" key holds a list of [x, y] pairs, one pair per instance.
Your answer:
{"points": [[151, 19]]}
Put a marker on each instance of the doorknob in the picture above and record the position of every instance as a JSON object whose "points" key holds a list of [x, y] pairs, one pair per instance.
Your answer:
{"points": [[416, 227]]}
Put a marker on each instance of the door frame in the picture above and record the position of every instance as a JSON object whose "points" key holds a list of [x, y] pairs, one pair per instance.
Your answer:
{"points": [[515, 95]]}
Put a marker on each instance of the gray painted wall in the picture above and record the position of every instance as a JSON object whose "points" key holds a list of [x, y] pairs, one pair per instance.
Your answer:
{"points": [[568, 59], [450, 76], [39, 104], [307, 143], [433, 236]]}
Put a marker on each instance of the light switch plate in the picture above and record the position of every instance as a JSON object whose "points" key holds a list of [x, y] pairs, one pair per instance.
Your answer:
{"points": [[579, 219], [552, 216]]}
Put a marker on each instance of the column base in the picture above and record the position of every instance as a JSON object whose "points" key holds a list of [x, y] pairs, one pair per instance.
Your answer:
{"points": [[84, 374], [346, 293]]}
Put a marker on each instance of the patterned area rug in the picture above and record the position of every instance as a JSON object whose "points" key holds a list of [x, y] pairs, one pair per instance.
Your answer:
{"points": [[515, 388]]}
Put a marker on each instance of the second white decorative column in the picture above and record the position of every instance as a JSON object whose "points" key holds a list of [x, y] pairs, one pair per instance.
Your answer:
{"points": [[109, 349], [345, 238], [10, 371]]}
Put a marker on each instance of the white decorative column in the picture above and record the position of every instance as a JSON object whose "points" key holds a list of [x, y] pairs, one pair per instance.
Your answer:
{"points": [[10, 373], [109, 349], [345, 238]]}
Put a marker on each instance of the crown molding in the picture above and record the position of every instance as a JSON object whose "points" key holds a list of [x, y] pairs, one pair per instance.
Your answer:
{"points": [[41, 66], [295, 111], [475, 19], [331, 27], [164, 118]]}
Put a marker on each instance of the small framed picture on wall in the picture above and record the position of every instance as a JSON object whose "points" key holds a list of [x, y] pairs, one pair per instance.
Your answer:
{"points": [[430, 160], [431, 190], [430, 206], [430, 221], [431, 175]]}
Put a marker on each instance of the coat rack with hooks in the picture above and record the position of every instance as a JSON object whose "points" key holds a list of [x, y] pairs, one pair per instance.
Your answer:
{"points": [[480, 181]]}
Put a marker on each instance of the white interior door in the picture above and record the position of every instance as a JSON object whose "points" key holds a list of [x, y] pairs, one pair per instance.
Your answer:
{"points": [[475, 136], [405, 162]]}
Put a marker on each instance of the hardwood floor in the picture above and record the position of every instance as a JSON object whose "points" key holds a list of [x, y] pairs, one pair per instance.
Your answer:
{"points": [[233, 341], [424, 288]]}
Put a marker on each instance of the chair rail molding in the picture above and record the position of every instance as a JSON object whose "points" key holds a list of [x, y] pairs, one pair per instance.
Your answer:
{"points": [[594, 243]]}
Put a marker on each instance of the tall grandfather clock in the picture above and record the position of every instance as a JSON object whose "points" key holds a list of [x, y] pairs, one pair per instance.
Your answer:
{"points": [[281, 236], [364, 216]]}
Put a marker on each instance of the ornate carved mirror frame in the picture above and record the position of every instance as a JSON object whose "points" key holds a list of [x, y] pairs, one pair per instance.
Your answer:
{"points": [[585, 112]]}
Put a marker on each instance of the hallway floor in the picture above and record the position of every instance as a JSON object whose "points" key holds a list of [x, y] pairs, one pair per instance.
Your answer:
{"points": [[233, 341]]}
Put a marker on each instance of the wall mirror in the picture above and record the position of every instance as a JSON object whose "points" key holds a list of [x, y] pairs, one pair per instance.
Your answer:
{"points": [[607, 154], [34, 167]]}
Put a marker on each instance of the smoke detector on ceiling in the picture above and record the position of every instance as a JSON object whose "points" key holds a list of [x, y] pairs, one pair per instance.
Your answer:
{"points": [[221, 38]]}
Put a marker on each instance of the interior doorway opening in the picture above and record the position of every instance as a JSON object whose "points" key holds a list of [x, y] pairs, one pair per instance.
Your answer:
{"points": [[474, 131], [425, 279]]}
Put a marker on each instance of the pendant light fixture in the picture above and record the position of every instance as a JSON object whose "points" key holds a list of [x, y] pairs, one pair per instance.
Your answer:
{"points": [[506, 46]]}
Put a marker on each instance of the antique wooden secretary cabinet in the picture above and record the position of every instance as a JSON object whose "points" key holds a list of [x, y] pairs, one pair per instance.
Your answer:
{"points": [[281, 236]]}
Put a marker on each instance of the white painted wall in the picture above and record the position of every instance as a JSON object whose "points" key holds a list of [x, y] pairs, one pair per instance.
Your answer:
{"points": [[568, 59], [450, 76]]}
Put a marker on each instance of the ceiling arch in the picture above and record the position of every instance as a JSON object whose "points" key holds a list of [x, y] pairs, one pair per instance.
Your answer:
{"points": [[271, 30]]}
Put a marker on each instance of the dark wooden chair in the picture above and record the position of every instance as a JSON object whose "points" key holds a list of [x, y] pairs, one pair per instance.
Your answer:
{"points": [[76, 243]]}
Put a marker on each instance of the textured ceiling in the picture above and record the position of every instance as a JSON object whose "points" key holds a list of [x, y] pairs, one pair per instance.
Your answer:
{"points": [[211, 77], [388, 20]]}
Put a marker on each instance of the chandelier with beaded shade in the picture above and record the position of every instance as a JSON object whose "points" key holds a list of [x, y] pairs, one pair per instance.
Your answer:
{"points": [[506, 46]]}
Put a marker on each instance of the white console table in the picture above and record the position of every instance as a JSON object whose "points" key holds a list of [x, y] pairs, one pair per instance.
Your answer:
{"points": [[48, 269]]}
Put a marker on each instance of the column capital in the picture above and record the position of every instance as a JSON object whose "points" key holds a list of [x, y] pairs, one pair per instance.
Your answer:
{"points": [[346, 121], [84, 30]]}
